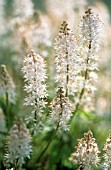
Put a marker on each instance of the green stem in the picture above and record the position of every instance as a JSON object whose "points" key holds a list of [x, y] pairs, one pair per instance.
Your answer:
{"points": [[67, 68], [7, 109], [85, 78], [15, 165], [83, 89], [54, 134], [47, 146], [7, 102]]}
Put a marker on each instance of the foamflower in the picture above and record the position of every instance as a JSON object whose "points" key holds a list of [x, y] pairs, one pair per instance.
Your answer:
{"points": [[66, 59], [34, 69], [61, 111], [18, 147], [90, 40], [107, 153], [7, 85], [86, 154]]}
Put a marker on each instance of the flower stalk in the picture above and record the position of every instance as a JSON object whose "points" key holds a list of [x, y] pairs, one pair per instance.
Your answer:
{"points": [[90, 37], [34, 70], [65, 58], [18, 147]]}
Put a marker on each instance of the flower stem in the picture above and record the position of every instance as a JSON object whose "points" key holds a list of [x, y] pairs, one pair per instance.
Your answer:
{"points": [[85, 78], [7, 109], [54, 134], [67, 78], [47, 146], [67, 68]]}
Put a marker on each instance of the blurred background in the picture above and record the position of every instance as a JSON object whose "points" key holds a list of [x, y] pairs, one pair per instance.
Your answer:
{"points": [[26, 25]]}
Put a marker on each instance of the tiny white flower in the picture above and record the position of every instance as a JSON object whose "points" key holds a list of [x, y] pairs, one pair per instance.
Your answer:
{"points": [[86, 154], [34, 69], [107, 153], [61, 111], [6, 84], [18, 146]]}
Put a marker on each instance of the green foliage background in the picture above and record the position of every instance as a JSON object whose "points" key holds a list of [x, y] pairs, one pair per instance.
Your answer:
{"points": [[58, 152]]}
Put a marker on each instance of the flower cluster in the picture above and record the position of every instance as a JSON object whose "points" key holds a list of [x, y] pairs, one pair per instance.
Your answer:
{"points": [[86, 154], [34, 69], [61, 111], [76, 62], [66, 59], [7, 85], [18, 147], [90, 39], [91, 31], [2, 122], [107, 153]]}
